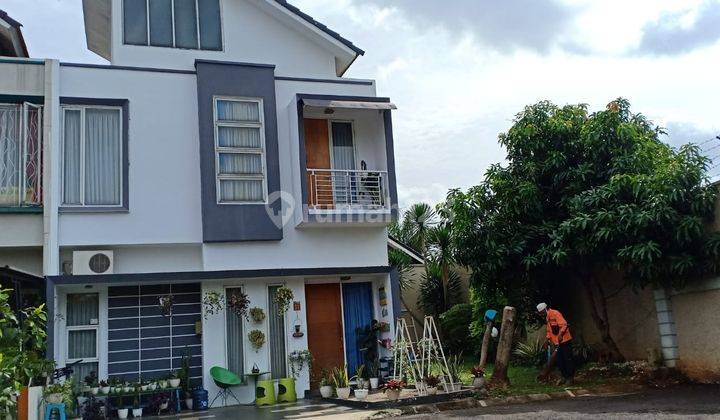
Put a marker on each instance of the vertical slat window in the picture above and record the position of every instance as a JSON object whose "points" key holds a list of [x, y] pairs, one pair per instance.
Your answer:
{"points": [[239, 148], [186, 33], [209, 18], [161, 23], [135, 22], [235, 337], [278, 365], [92, 156], [72, 134]]}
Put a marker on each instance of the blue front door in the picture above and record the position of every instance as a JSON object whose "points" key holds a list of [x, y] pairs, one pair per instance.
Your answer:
{"points": [[358, 315]]}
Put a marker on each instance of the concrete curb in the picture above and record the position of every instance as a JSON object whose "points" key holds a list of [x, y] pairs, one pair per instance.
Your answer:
{"points": [[467, 403]]}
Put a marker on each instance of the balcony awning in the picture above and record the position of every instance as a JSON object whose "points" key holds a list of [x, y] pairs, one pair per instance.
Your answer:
{"points": [[334, 103]]}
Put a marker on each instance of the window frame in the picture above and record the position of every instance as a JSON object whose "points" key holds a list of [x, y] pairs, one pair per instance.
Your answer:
{"points": [[240, 150], [244, 323], [122, 159], [91, 327], [172, 21]]}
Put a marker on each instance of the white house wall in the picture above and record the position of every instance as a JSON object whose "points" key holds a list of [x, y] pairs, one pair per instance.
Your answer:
{"points": [[22, 77], [21, 230], [249, 35], [28, 260]]}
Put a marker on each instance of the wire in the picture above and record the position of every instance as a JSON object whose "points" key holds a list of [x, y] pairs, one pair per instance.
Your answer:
{"points": [[709, 140]]}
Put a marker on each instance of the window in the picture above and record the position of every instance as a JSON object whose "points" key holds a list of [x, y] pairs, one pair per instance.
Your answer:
{"points": [[190, 24], [20, 155], [81, 329], [240, 150], [235, 337], [92, 156], [278, 367]]}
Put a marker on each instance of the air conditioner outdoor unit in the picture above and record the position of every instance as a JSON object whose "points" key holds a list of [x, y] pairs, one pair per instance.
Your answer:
{"points": [[92, 262]]}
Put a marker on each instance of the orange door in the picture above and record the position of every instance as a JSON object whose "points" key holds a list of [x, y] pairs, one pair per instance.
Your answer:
{"points": [[317, 156], [325, 330]]}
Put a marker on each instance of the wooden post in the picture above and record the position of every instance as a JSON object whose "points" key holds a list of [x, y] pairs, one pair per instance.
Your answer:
{"points": [[502, 359], [485, 344]]}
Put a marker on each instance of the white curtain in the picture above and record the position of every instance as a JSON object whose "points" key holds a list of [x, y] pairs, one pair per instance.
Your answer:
{"points": [[240, 164], [103, 148], [239, 137], [238, 111], [235, 339], [241, 190], [82, 310], [9, 154], [343, 150], [71, 157], [276, 337]]}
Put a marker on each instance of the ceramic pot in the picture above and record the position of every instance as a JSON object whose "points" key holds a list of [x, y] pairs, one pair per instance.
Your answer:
{"points": [[144, 388], [137, 412], [152, 387], [326, 391], [105, 390], [94, 390], [189, 403], [123, 413], [174, 383], [432, 390], [479, 383], [374, 382], [343, 393], [127, 389], [361, 394], [54, 398], [392, 394]]}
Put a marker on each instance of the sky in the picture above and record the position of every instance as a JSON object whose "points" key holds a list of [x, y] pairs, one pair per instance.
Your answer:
{"points": [[460, 70]]}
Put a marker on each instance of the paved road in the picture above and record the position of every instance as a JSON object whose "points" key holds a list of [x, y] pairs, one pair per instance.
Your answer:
{"points": [[701, 402]]}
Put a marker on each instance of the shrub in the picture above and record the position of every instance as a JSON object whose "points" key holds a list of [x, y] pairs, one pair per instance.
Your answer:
{"points": [[455, 325], [530, 353]]}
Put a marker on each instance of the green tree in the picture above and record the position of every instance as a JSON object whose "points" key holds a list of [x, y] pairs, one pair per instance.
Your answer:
{"points": [[581, 193]]}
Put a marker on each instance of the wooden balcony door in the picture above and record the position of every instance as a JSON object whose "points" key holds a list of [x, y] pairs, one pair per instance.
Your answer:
{"points": [[325, 328], [317, 156]]}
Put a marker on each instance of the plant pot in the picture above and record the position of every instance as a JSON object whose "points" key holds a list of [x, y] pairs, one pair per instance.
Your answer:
{"points": [[127, 389], [105, 390], [174, 383], [189, 403], [479, 383], [85, 388], [343, 393], [81, 401], [164, 406], [374, 382], [123, 413], [361, 394], [152, 387], [432, 390], [326, 391], [94, 390], [137, 412], [392, 394], [144, 388], [54, 398], [163, 384]]}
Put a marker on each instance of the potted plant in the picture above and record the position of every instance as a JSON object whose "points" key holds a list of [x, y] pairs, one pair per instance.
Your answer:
{"points": [[92, 383], [326, 388], [432, 381], [127, 387], [122, 411], [257, 339], [163, 383], [54, 393], [373, 368], [298, 359], [152, 386], [213, 303], [359, 377], [174, 379], [478, 377], [283, 297], [104, 387], [341, 382], [257, 315], [165, 303], [93, 409], [392, 389], [239, 304], [144, 386], [137, 410], [361, 394]]}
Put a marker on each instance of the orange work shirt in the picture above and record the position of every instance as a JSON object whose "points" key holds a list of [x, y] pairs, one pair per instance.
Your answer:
{"points": [[556, 322]]}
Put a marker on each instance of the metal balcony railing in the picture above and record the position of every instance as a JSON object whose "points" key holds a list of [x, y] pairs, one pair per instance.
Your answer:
{"points": [[348, 190], [20, 155]]}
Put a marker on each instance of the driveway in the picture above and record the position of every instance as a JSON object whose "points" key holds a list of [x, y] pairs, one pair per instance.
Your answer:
{"points": [[685, 401], [301, 410]]}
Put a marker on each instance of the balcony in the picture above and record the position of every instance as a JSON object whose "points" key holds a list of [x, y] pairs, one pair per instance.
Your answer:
{"points": [[20, 157], [334, 190]]}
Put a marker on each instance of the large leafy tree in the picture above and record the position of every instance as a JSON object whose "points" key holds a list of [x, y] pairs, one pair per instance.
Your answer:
{"points": [[580, 194]]}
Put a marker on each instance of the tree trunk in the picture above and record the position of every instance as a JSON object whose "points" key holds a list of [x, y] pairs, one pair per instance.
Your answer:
{"points": [[599, 314], [502, 359], [485, 344], [445, 282]]}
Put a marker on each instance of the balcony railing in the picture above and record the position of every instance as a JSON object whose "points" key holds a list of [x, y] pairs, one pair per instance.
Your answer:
{"points": [[336, 190], [20, 155]]}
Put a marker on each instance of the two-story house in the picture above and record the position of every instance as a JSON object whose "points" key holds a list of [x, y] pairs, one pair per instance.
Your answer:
{"points": [[220, 150]]}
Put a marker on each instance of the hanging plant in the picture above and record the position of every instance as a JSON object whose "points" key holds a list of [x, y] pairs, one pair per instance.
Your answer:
{"points": [[238, 304], [298, 359], [257, 314], [282, 299], [165, 303], [213, 302], [257, 339]]}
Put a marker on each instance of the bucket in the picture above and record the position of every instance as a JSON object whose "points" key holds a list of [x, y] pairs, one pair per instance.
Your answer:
{"points": [[200, 399]]}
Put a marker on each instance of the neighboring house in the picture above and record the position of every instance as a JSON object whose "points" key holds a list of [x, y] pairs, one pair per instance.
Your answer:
{"points": [[220, 150]]}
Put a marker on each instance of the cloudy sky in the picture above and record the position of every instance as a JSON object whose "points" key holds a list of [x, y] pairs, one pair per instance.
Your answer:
{"points": [[459, 70]]}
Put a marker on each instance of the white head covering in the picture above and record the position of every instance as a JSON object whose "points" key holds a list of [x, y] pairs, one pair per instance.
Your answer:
{"points": [[494, 333], [541, 306]]}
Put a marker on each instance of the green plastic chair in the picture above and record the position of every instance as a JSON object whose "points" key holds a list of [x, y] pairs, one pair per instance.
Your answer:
{"points": [[224, 379], [286, 390], [265, 393]]}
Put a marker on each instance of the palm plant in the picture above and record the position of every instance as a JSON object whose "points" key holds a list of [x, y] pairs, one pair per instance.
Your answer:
{"points": [[435, 299], [440, 246]]}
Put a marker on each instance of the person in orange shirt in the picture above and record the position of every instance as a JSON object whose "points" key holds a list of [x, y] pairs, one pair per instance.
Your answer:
{"points": [[558, 334]]}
